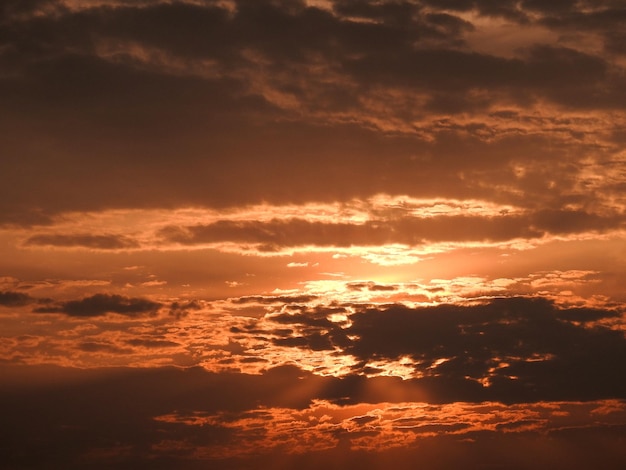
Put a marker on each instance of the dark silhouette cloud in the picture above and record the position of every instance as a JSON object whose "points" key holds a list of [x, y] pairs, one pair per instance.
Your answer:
{"points": [[151, 343], [408, 230], [100, 242], [570, 221], [101, 304], [108, 417], [181, 309], [99, 347], [505, 349], [15, 299], [274, 299]]}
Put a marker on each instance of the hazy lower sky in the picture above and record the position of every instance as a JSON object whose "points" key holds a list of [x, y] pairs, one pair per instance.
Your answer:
{"points": [[303, 234]]}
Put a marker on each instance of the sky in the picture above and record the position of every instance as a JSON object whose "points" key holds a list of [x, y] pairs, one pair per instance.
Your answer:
{"points": [[277, 234]]}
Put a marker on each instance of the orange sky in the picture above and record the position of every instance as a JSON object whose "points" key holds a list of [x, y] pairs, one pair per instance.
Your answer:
{"points": [[272, 234]]}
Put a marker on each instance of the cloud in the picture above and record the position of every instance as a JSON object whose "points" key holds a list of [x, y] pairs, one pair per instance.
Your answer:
{"points": [[100, 242], [190, 418], [101, 304], [152, 343], [373, 97], [273, 299], [371, 286], [278, 233], [204, 130], [101, 347], [572, 221], [503, 349], [15, 299], [181, 309], [541, 73]]}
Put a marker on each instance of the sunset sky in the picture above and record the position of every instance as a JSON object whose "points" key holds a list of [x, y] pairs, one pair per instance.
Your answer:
{"points": [[276, 234]]}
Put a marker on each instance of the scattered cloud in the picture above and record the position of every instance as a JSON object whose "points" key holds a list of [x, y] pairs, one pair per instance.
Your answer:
{"points": [[415, 254]]}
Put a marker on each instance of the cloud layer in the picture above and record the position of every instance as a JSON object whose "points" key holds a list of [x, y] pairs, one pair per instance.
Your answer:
{"points": [[312, 234], [194, 419], [100, 304], [336, 101]]}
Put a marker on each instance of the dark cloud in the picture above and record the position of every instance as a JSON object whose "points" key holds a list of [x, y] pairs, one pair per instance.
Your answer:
{"points": [[151, 343], [273, 299], [99, 346], [409, 230], [100, 242], [571, 221], [529, 11], [131, 95], [17, 9], [311, 340], [522, 348], [543, 72], [556, 7], [371, 286], [101, 304], [601, 16], [605, 18], [15, 299], [586, 314], [615, 42], [181, 309], [104, 418]]}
